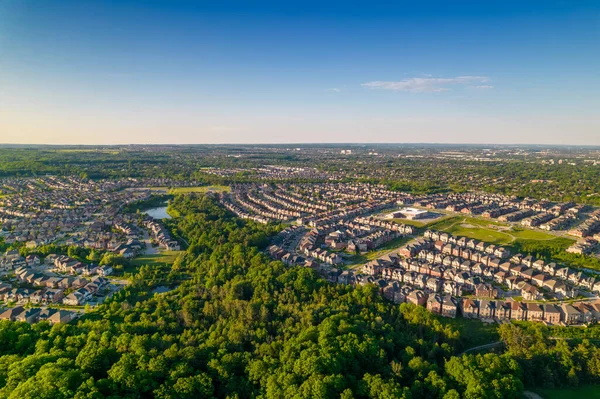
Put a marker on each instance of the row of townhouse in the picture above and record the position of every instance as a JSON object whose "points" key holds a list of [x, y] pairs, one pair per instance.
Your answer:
{"points": [[372, 241], [558, 223], [52, 289], [286, 257], [275, 202], [308, 242], [324, 256], [242, 213], [561, 283], [584, 246], [11, 263], [161, 235], [399, 227], [242, 200], [34, 315], [537, 220], [573, 276], [65, 264], [305, 205], [467, 243], [491, 205], [531, 277], [448, 304], [84, 294], [571, 314], [416, 292], [259, 197], [589, 226]]}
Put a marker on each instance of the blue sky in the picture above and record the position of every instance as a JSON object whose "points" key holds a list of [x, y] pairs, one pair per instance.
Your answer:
{"points": [[91, 72]]}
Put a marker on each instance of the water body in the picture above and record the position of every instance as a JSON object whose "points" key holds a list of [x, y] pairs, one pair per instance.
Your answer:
{"points": [[158, 213]]}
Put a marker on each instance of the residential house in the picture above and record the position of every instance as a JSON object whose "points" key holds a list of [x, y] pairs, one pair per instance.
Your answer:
{"points": [[552, 314], [470, 309], [571, 315], [417, 297]]}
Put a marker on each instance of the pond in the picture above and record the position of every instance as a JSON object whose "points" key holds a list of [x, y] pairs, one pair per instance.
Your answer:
{"points": [[158, 213]]}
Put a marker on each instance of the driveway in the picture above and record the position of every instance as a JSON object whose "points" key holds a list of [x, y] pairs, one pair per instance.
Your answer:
{"points": [[150, 250]]}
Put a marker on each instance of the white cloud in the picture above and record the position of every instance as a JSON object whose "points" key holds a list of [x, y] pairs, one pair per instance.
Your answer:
{"points": [[426, 85], [484, 87], [334, 89]]}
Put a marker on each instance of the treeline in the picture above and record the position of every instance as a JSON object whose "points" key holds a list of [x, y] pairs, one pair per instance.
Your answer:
{"points": [[550, 360], [554, 251]]}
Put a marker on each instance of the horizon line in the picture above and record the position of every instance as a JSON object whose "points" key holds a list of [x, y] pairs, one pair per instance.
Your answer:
{"points": [[296, 144]]}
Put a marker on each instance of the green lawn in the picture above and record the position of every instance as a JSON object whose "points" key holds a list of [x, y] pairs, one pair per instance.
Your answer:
{"points": [[481, 233], [444, 223], [498, 233], [540, 246], [421, 223], [472, 332], [532, 235], [415, 223], [160, 259], [195, 189], [390, 246], [165, 257], [586, 391], [202, 189]]}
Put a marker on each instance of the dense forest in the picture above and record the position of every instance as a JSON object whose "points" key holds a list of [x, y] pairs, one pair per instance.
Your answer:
{"points": [[237, 325]]}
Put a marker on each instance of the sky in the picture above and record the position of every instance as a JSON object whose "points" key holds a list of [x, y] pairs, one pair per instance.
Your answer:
{"points": [[178, 72]]}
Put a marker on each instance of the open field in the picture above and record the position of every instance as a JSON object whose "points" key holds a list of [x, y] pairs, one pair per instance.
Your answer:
{"points": [[420, 223], [184, 190], [498, 233], [586, 391], [74, 150], [389, 247], [473, 332], [161, 258], [489, 231], [202, 189]]}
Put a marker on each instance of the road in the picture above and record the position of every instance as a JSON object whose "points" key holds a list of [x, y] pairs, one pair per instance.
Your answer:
{"points": [[486, 346], [150, 250], [531, 395]]}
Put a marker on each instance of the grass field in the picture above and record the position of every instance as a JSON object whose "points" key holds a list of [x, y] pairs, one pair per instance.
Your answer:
{"points": [[421, 223], [202, 189], [112, 152], [497, 233], [415, 223], [184, 190], [586, 391], [162, 258], [390, 246], [473, 332]]}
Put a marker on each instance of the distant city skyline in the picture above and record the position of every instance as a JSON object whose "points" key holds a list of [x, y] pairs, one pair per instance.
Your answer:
{"points": [[184, 72]]}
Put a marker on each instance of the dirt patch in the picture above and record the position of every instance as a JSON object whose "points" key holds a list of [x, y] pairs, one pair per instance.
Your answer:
{"points": [[531, 395]]}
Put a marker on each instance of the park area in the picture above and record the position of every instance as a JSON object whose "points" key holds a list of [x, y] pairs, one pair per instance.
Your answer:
{"points": [[197, 189], [497, 233], [161, 258]]}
